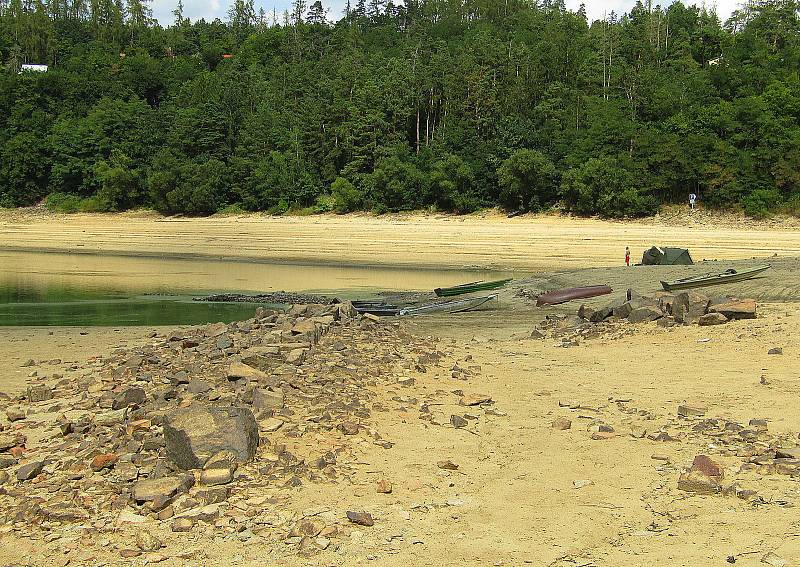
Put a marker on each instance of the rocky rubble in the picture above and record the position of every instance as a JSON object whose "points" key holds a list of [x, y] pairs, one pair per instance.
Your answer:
{"points": [[666, 309], [188, 431]]}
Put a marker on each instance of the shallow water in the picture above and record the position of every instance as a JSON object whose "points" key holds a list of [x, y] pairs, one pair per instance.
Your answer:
{"points": [[70, 289]]}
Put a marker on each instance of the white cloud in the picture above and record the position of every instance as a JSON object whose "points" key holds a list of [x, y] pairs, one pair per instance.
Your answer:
{"points": [[210, 9]]}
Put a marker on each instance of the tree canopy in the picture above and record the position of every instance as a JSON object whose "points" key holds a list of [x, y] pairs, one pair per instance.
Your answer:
{"points": [[429, 103]]}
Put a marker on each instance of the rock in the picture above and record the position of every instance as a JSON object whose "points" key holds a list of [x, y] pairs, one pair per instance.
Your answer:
{"points": [[214, 495], [447, 465], [199, 387], [28, 363], [307, 527], [666, 322], [180, 377], [711, 319], [181, 525], [270, 425], [152, 489], [268, 399], [130, 397], [111, 418], [474, 399], [537, 334], [196, 433], [775, 350], [458, 422], [39, 393], [361, 518], [148, 542], [296, 356], [581, 483], [695, 481], [645, 314], [241, 371], [774, 560], [601, 315], [384, 486], [105, 461], [8, 441], [691, 411], [586, 312], [349, 428], [562, 424], [215, 476], [688, 307], [707, 466], [4, 477], [15, 413], [734, 308], [29, 471], [224, 342]]}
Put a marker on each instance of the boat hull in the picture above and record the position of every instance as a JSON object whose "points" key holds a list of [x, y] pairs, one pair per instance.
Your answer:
{"points": [[560, 296], [470, 288], [458, 306], [717, 279]]}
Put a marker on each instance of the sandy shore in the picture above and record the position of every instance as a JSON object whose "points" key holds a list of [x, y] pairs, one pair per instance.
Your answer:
{"points": [[513, 500], [530, 243]]}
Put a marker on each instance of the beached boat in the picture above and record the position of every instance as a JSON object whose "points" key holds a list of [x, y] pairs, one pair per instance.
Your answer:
{"points": [[470, 288], [728, 276], [379, 308], [458, 306], [570, 294]]}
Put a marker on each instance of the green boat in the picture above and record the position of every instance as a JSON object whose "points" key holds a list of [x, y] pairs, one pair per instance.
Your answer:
{"points": [[470, 288], [728, 276]]}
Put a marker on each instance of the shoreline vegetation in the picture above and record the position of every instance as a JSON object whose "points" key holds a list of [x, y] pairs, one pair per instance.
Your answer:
{"points": [[452, 105]]}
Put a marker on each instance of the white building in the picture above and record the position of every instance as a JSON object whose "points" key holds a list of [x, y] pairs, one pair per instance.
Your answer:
{"points": [[33, 68]]}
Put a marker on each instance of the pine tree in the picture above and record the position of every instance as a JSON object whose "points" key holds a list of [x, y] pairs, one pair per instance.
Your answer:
{"points": [[298, 11], [139, 13], [316, 14], [178, 13]]}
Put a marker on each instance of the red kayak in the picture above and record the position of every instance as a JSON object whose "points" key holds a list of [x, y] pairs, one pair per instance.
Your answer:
{"points": [[564, 295]]}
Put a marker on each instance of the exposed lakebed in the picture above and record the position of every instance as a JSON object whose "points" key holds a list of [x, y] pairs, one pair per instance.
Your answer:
{"points": [[46, 289]]}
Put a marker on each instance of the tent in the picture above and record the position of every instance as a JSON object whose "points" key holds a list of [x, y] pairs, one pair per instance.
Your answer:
{"points": [[666, 257]]}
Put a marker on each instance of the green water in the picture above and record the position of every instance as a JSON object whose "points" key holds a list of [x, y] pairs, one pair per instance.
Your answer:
{"points": [[38, 289]]}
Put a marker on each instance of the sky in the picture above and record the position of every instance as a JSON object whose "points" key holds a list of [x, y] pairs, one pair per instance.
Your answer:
{"points": [[210, 9]]}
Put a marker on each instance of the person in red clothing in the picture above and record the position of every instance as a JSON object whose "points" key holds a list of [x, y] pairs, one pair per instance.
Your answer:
{"points": [[627, 256]]}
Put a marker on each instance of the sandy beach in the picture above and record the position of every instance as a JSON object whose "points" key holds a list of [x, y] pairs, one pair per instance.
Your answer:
{"points": [[524, 492]]}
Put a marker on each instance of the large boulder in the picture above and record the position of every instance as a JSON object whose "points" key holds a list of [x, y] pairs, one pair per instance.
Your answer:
{"points": [[645, 314], [196, 433], [734, 308]]}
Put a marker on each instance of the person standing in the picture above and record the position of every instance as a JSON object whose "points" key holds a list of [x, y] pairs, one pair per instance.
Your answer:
{"points": [[692, 200], [627, 256]]}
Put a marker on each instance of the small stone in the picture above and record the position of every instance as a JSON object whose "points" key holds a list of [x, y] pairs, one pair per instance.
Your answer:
{"points": [[562, 424], [384, 486], [4, 477], [307, 527], [129, 553], [711, 319], [105, 461], [774, 560], [361, 518], [475, 399], [151, 489], [458, 422], [664, 458], [29, 471], [39, 393], [691, 411], [241, 371], [216, 476], [15, 413], [349, 428], [775, 350], [270, 425], [581, 483], [707, 466], [603, 435], [148, 542], [447, 465], [182, 525], [695, 481]]}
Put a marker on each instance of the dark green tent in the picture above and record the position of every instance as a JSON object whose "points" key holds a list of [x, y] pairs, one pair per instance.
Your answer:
{"points": [[666, 257]]}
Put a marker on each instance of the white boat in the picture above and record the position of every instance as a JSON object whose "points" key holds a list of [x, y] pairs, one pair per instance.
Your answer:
{"points": [[458, 306]]}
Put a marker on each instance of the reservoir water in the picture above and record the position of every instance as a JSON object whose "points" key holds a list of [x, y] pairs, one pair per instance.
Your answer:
{"points": [[48, 289]]}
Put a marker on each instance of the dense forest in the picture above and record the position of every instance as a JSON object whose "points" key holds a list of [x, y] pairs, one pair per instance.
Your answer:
{"points": [[445, 104]]}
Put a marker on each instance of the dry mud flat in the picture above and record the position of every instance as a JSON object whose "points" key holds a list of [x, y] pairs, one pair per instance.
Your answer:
{"points": [[476, 448], [530, 243]]}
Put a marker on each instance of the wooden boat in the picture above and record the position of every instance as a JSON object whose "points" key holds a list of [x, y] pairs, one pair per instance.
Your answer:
{"points": [[570, 294], [470, 288], [379, 308], [457, 306], [728, 276]]}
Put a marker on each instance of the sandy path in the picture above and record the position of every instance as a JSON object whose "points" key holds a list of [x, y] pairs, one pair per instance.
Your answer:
{"points": [[521, 244]]}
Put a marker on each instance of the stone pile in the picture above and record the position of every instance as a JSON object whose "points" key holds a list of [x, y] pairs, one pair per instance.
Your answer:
{"points": [[666, 309], [188, 429]]}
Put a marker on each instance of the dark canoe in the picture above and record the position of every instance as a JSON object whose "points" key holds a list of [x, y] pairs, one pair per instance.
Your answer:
{"points": [[378, 308], [728, 276], [457, 306], [470, 288], [564, 295]]}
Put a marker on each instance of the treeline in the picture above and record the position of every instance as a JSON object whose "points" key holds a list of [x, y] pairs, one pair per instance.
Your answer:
{"points": [[448, 104]]}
